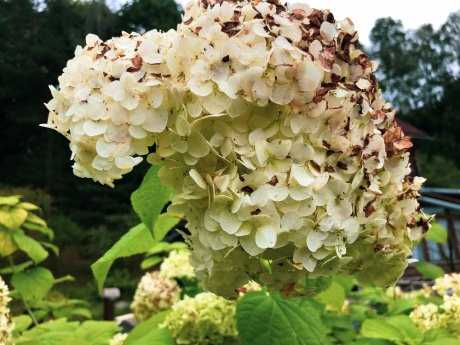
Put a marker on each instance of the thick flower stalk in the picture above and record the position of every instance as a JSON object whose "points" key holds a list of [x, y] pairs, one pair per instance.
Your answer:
{"points": [[177, 265], [205, 319], [153, 294], [6, 325], [269, 125]]}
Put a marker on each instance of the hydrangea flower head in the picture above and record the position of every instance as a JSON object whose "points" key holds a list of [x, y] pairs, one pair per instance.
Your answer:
{"points": [[448, 284], [177, 265], [205, 319], [6, 325], [153, 294], [271, 128]]}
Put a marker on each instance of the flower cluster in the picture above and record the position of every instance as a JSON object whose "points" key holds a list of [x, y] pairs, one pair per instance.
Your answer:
{"points": [[153, 294], [118, 339], [445, 316], [205, 319], [6, 325], [270, 127], [177, 265], [448, 284]]}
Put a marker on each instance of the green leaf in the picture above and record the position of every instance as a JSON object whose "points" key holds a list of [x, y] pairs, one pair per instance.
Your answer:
{"points": [[150, 198], [156, 336], [9, 200], [39, 228], [16, 268], [51, 246], [97, 332], [33, 218], [161, 247], [429, 270], [13, 218], [7, 246], [142, 329], [151, 261], [163, 224], [380, 329], [437, 233], [137, 240], [34, 284], [264, 319], [29, 246], [28, 206], [333, 296], [21, 323]]}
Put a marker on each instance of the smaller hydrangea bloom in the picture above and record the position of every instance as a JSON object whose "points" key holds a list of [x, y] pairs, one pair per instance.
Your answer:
{"points": [[445, 316], [449, 284], [177, 265], [6, 325], [153, 294], [205, 319]]}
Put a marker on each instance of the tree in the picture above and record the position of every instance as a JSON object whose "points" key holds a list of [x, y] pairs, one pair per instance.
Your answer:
{"points": [[143, 15], [420, 73]]}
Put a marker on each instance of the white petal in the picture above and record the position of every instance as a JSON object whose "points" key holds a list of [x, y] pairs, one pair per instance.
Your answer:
{"points": [[309, 76], [301, 175], [105, 149], [126, 163], [315, 240], [156, 121], [93, 129], [328, 31], [115, 90], [250, 246], [229, 222], [351, 228], [266, 236], [199, 180]]}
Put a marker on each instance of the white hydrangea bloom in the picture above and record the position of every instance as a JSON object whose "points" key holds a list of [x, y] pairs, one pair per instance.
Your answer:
{"points": [[118, 339], [271, 129], [153, 294], [177, 265], [6, 325]]}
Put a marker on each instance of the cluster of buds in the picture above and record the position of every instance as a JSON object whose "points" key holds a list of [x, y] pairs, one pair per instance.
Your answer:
{"points": [[448, 284], [205, 319], [445, 316], [269, 125], [153, 294], [177, 265]]}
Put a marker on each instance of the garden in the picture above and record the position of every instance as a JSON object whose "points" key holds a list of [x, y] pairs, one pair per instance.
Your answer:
{"points": [[238, 175]]}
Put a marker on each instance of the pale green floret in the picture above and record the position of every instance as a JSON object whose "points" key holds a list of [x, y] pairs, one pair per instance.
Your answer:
{"points": [[206, 319], [177, 265]]}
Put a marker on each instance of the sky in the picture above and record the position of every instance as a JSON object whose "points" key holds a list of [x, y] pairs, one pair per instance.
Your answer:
{"points": [[413, 13]]}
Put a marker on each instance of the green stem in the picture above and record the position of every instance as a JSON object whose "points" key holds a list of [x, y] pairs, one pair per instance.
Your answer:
{"points": [[26, 305]]}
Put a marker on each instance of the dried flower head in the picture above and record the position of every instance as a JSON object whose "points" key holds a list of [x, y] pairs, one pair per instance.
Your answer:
{"points": [[205, 319], [153, 294], [271, 128]]}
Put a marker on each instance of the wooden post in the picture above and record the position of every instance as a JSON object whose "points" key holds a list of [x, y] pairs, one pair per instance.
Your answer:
{"points": [[110, 295]]}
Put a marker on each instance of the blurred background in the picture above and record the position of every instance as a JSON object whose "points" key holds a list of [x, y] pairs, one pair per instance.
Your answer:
{"points": [[419, 70]]}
